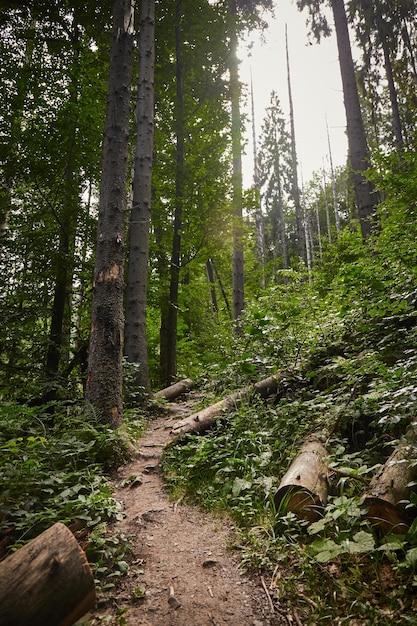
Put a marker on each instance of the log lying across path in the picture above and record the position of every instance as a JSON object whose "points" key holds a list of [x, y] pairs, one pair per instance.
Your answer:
{"points": [[48, 582], [202, 420], [303, 489], [391, 486], [172, 392]]}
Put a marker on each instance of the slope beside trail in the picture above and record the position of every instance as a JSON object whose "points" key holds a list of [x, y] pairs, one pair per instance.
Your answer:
{"points": [[181, 571]]}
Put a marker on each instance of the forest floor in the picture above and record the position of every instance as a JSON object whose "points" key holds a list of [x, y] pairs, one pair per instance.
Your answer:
{"points": [[182, 572]]}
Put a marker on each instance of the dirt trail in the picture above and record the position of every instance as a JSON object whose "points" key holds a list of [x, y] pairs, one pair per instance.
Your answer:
{"points": [[180, 557]]}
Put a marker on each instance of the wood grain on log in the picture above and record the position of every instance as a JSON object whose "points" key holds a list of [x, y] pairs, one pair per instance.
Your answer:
{"points": [[48, 582], [303, 488], [391, 487]]}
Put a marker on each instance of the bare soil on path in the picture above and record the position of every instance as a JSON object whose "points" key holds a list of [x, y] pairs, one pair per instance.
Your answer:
{"points": [[181, 570]]}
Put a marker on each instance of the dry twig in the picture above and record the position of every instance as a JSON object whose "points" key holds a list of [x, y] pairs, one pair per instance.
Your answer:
{"points": [[271, 604]]}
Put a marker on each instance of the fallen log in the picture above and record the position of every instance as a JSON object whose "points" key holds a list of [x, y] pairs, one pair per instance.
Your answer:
{"points": [[303, 488], [202, 420], [175, 390], [48, 582], [390, 489]]}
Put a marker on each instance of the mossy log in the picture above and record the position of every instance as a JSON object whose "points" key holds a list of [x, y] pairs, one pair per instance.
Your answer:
{"points": [[304, 487], [202, 420], [175, 390], [48, 582], [391, 488]]}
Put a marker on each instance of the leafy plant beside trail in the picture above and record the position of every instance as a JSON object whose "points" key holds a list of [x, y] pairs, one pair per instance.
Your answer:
{"points": [[338, 563], [354, 329], [61, 473]]}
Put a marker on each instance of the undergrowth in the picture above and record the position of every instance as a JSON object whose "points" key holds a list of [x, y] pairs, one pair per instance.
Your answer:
{"points": [[356, 385], [55, 464]]}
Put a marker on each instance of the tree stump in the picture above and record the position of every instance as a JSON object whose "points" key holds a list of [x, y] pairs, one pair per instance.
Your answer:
{"points": [[303, 489], [48, 582]]}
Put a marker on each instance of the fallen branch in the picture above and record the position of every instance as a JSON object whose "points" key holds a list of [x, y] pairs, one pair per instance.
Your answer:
{"points": [[172, 392], [202, 420]]}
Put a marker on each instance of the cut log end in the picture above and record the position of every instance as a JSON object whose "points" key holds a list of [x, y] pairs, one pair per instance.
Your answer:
{"points": [[300, 501], [385, 516]]}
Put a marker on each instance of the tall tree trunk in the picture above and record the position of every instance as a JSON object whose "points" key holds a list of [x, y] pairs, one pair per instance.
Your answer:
{"points": [[170, 338], [366, 197], [396, 118], [104, 379], [259, 219], [335, 203], [281, 218], [295, 187], [136, 346], [238, 253], [60, 317]]}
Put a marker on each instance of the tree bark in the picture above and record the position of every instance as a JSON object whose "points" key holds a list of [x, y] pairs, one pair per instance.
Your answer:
{"points": [[259, 218], [392, 486], [202, 420], [172, 392], [366, 196], [168, 352], [295, 189], [104, 378], [210, 279], [238, 253], [136, 345], [48, 582], [59, 335], [303, 489]]}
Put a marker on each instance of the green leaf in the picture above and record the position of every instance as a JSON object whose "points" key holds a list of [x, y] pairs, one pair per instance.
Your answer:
{"points": [[239, 484]]}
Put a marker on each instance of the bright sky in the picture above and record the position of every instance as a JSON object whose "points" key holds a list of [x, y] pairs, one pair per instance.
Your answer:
{"points": [[315, 83]]}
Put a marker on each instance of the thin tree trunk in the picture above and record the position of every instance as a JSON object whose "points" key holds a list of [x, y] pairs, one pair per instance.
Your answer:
{"points": [[172, 316], [221, 286], [282, 230], [295, 187], [63, 277], [319, 231], [259, 219], [104, 379], [60, 329], [238, 254], [326, 201], [396, 118], [366, 197], [136, 345], [335, 203], [210, 278]]}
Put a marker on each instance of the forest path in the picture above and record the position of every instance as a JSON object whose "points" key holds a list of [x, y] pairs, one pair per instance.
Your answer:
{"points": [[180, 556]]}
